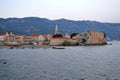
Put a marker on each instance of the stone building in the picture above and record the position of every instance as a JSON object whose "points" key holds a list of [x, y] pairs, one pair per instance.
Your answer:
{"points": [[27, 39], [66, 36], [2, 37], [19, 38], [35, 37], [10, 37], [41, 38], [91, 37], [48, 36]]}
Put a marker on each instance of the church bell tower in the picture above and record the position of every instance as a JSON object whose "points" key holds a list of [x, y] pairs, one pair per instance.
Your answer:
{"points": [[56, 30]]}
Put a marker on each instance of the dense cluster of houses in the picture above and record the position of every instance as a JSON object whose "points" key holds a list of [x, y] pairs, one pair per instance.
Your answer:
{"points": [[88, 37], [11, 39]]}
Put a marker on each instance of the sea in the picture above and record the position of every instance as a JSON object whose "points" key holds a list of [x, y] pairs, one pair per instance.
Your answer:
{"points": [[98, 62]]}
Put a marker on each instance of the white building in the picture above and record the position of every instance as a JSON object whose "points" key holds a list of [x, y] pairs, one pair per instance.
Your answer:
{"points": [[2, 37], [41, 38]]}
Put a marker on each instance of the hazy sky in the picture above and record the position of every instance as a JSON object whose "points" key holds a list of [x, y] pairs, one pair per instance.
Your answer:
{"points": [[98, 10]]}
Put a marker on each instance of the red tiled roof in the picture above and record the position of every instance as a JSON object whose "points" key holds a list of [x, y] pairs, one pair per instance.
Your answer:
{"points": [[35, 35]]}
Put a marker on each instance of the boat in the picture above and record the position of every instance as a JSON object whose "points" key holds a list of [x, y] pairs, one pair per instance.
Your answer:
{"points": [[11, 47], [58, 47]]}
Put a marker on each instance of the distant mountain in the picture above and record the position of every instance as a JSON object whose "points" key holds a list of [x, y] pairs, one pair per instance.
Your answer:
{"points": [[30, 25]]}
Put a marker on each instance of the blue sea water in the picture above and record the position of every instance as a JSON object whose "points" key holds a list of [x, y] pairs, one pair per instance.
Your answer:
{"points": [[71, 63]]}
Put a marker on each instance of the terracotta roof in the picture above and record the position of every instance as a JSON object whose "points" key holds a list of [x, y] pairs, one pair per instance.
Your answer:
{"points": [[35, 35]]}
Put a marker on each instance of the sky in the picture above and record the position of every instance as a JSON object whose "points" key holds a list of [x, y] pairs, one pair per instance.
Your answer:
{"points": [[95, 10]]}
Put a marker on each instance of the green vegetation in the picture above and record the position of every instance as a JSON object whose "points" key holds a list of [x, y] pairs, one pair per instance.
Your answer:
{"points": [[57, 35], [73, 35], [84, 40], [104, 34]]}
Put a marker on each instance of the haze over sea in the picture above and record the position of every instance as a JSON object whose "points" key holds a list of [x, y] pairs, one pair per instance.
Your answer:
{"points": [[71, 63]]}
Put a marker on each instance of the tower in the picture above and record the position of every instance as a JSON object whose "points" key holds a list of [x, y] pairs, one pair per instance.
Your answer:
{"points": [[56, 30]]}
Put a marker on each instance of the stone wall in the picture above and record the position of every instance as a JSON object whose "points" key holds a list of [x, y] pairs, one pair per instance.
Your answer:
{"points": [[96, 37], [70, 42], [57, 41]]}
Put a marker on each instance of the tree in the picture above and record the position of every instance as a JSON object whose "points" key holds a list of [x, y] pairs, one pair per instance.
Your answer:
{"points": [[104, 34], [73, 35], [57, 35], [84, 40]]}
